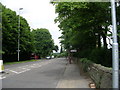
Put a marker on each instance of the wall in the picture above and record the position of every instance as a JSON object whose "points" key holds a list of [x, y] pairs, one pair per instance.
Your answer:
{"points": [[102, 76]]}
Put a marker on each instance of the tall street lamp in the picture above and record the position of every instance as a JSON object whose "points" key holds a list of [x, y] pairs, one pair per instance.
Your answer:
{"points": [[19, 35], [115, 51]]}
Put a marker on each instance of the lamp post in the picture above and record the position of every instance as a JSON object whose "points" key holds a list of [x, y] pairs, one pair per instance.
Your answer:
{"points": [[19, 35], [115, 55]]}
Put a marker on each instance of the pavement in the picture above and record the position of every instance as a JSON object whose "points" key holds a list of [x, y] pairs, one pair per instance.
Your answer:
{"points": [[73, 79], [56, 73]]}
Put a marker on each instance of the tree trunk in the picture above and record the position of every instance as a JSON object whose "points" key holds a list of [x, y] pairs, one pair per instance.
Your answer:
{"points": [[99, 41], [104, 41]]}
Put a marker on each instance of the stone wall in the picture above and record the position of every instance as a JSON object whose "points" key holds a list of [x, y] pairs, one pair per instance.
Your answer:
{"points": [[102, 76]]}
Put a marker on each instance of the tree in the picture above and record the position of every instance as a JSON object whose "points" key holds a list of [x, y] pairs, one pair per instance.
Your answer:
{"points": [[43, 42], [83, 26], [10, 36], [61, 50], [56, 48]]}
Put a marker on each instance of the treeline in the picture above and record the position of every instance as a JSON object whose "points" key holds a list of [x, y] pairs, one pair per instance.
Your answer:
{"points": [[43, 42], [30, 41], [86, 27]]}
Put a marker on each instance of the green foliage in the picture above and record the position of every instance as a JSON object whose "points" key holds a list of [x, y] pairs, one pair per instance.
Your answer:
{"points": [[61, 50], [101, 56], [86, 63], [1, 52], [10, 36], [38, 41], [64, 54], [58, 55], [83, 54], [83, 27], [56, 48], [43, 42], [55, 54], [80, 22], [9, 63]]}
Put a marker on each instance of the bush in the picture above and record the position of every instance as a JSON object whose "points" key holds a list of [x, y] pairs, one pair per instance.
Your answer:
{"points": [[101, 56], [86, 63], [58, 55], [83, 53]]}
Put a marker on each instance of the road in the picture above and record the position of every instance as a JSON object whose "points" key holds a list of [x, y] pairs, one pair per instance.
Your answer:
{"points": [[39, 74]]}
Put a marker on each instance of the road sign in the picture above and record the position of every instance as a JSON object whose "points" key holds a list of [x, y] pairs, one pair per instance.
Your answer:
{"points": [[73, 50]]}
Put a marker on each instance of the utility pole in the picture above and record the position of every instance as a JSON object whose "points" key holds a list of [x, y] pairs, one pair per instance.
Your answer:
{"points": [[19, 35], [115, 56]]}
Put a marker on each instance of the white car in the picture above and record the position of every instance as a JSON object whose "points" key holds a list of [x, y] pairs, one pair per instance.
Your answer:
{"points": [[48, 57], [52, 57]]}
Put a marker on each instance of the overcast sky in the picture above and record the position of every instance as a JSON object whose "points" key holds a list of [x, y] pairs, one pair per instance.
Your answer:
{"points": [[38, 13]]}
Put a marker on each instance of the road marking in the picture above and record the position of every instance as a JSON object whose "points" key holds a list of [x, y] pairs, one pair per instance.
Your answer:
{"points": [[32, 66], [26, 65], [23, 71], [6, 69], [2, 78], [40, 65], [13, 71], [24, 68]]}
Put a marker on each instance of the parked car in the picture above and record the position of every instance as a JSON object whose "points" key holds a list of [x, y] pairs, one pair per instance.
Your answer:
{"points": [[52, 56], [48, 57]]}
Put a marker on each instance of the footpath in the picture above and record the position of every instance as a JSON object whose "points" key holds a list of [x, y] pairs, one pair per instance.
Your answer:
{"points": [[73, 79]]}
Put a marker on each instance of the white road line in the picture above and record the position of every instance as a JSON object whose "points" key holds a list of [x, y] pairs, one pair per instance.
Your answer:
{"points": [[32, 66], [24, 68], [28, 67], [35, 64], [13, 71], [23, 71], [6, 69], [38, 66], [2, 77]]}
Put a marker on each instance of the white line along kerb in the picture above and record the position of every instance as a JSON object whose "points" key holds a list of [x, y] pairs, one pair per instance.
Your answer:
{"points": [[1, 66]]}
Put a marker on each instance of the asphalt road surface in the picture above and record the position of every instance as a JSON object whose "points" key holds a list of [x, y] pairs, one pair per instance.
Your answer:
{"points": [[39, 74]]}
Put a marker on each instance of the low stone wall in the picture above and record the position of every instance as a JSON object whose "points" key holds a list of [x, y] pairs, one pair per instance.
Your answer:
{"points": [[102, 76]]}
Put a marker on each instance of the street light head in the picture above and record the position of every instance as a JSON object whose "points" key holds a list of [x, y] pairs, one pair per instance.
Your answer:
{"points": [[20, 8]]}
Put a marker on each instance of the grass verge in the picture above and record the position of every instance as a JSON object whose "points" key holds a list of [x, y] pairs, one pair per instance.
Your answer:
{"points": [[6, 63]]}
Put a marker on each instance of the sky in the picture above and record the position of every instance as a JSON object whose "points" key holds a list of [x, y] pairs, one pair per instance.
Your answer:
{"points": [[38, 13]]}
